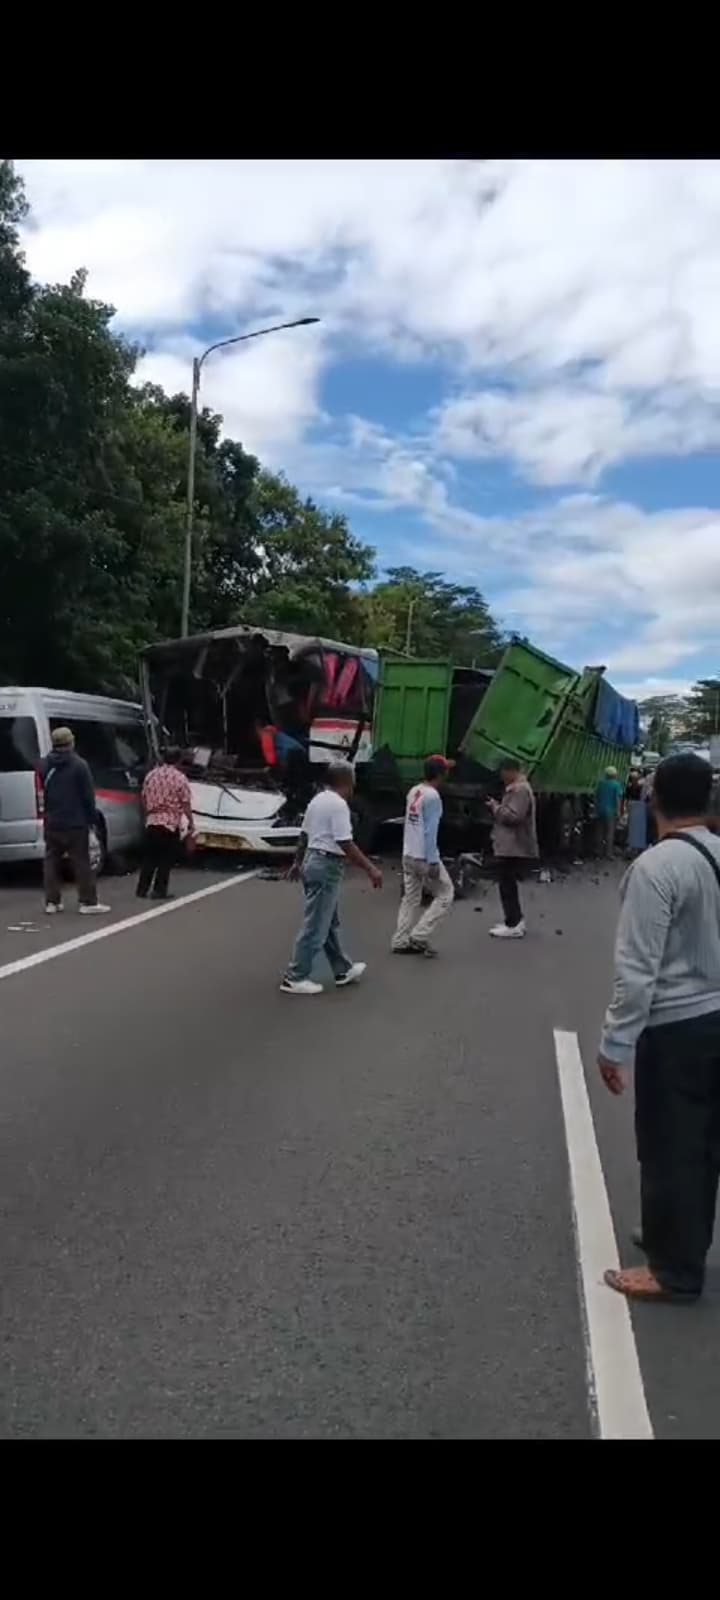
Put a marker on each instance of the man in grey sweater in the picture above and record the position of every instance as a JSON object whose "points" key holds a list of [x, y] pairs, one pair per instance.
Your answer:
{"points": [[665, 1012]]}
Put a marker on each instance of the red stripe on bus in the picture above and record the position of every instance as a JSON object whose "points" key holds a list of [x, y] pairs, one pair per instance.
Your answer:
{"points": [[119, 796]]}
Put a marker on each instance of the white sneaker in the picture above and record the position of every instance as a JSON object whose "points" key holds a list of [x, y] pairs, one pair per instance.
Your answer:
{"points": [[502, 931], [305, 986], [98, 910], [353, 974], [52, 910]]}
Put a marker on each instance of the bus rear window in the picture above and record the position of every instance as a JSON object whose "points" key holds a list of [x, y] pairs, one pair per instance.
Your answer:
{"points": [[18, 744]]}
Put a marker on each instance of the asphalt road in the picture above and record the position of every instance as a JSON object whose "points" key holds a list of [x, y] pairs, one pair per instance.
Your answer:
{"points": [[231, 1212]]}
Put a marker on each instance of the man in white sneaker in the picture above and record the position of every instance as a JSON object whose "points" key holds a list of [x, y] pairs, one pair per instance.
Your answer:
{"points": [[70, 813], [515, 846], [422, 866], [326, 844]]}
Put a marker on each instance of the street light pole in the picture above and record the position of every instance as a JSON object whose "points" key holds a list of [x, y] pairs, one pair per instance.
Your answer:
{"points": [[302, 322], [185, 623], [408, 630]]}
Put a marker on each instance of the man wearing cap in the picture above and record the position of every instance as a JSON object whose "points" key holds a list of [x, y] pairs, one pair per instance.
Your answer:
{"points": [[422, 867], [70, 813], [515, 845], [608, 803]]}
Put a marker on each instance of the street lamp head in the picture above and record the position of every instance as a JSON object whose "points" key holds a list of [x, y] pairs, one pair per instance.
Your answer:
{"points": [[304, 322]]}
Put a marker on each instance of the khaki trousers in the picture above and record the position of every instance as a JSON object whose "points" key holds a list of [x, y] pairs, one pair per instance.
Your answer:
{"points": [[415, 880]]}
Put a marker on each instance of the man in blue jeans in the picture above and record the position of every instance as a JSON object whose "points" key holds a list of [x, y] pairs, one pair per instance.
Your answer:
{"points": [[326, 843]]}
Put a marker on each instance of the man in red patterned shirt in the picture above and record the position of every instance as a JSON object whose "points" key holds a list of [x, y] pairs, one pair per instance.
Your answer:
{"points": [[167, 799]]}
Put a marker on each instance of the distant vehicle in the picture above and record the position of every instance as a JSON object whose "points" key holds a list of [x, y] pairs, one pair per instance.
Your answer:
{"points": [[682, 747], [109, 734], [650, 760]]}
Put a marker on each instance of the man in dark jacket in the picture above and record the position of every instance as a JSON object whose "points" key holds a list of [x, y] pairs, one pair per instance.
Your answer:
{"points": [[70, 813]]}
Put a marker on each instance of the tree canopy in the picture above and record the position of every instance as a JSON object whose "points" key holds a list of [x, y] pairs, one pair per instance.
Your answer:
{"points": [[674, 718], [93, 471], [423, 614]]}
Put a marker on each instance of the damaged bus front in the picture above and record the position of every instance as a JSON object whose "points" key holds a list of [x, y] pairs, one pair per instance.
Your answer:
{"points": [[256, 713]]}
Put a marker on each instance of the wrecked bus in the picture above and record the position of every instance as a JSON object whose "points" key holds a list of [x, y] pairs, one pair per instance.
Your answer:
{"points": [[256, 712]]}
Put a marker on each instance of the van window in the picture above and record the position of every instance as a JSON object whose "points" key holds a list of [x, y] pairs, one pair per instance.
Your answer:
{"points": [[113, 752], [131, 745], [93, 741], [19, 750]]}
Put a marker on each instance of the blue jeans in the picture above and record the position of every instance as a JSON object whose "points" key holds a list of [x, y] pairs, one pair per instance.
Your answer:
{"points": [[322, 878]]}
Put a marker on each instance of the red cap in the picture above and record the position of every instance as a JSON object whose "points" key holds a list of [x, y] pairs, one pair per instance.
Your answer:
{"points": [[442, 761]]}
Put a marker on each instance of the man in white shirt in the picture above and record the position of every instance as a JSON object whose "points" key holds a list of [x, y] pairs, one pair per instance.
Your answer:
{"points": [[422, 867], [326, 843]]}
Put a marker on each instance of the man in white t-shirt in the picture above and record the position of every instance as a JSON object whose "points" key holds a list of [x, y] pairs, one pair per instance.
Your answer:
{"points": [[422, 866], [326, 843]]}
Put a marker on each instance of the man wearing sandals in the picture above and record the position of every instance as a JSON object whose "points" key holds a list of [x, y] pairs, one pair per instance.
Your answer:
{"points": [[665, 1011]]}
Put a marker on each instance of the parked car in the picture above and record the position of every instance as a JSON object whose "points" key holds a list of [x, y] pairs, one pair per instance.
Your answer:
{"points": [[109, 734]]}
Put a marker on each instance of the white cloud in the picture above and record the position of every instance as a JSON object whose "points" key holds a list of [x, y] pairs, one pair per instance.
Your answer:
{"points": [[571, 433], [266, 390], [574, 308], [647, 688], [531, 267], [648, 582]]}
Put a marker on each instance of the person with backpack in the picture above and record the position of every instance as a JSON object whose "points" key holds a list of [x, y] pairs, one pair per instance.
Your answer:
{"points": [[665, 1013]]}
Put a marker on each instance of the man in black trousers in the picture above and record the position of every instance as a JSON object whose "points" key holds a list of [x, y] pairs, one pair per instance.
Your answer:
{"points": [[167, 803], [665, 1011]]}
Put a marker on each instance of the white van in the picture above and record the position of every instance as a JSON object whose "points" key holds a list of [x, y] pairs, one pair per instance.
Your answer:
{"points": [[109, 734]]}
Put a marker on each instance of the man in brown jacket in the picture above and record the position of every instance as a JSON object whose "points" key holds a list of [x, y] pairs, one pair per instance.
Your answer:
{"points": [[514, 839]]}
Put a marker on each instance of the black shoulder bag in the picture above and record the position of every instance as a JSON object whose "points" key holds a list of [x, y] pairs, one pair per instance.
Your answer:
{"points": [[702, 850]]}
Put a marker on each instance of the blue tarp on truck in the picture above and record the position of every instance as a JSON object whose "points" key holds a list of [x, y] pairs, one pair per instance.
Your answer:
{"points": [[616, 719]]}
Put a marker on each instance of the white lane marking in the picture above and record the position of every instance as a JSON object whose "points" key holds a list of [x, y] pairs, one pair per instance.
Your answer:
{"points": [[111, 928], [617, 1394]]}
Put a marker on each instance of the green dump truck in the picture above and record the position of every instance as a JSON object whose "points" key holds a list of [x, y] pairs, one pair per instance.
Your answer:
{"points": [[564, 726]]}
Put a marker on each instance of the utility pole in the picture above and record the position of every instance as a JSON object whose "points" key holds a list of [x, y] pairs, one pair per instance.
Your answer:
{"points": [[301, 322], [408, 630]]}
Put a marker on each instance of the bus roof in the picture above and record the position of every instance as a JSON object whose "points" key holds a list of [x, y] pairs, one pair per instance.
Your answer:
{"points": [[292, 642]]}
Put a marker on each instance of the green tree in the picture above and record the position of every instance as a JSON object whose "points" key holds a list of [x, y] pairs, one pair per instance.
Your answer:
{"points": [[63, 386], [261, 552], [92, 512], [433, 617], [92, 501], [665, 717], [704, 708]]}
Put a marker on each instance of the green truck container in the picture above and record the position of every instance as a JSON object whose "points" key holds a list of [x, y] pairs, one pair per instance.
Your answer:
{"points": [[532, 708]]}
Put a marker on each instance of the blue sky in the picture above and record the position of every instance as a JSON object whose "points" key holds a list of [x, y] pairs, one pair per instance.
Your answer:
{"points": [[515, 380]]}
